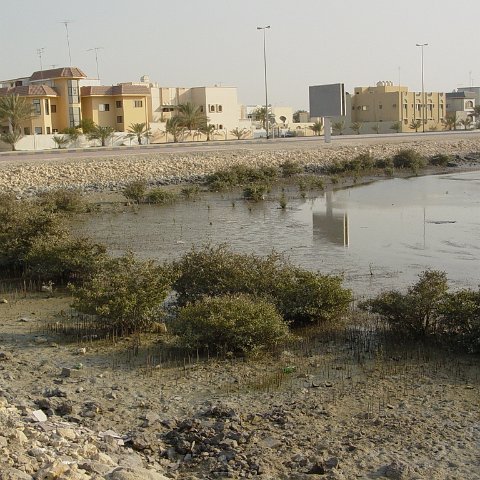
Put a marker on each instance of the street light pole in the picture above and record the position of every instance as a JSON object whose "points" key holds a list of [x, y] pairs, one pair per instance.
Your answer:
{"points": [[265, 70], [424, 106]]}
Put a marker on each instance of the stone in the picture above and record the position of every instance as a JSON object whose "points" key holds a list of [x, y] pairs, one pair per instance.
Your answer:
{"points": [[271, 442], [4, 356], [39, 416], [397, 471], [135, 474]]}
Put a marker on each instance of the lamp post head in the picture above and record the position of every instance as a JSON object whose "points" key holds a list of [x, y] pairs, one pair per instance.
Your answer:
{"points": [[421, 44], [263, 28]]}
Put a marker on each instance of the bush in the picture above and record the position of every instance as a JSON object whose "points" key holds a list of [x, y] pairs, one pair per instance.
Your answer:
{"points": [[126, 295], [441, 160], [255, 192], [300, 296], [230, 323], [62, 200], [239, 175], [461, 318], [135, 190], [417, 312], [24, 223], [190, 191], [64, 258], [384, 163], [363, 161], [289, 168], [159, 196], [408, 158]]}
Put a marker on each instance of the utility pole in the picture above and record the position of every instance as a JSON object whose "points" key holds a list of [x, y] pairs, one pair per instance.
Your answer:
{"points": [[96, 49], [424, 106], [66, 22], [40, 53], [265, 70]]}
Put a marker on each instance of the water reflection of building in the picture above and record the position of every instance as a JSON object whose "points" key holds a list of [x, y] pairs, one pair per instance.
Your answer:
{"points": [[329, 226]]}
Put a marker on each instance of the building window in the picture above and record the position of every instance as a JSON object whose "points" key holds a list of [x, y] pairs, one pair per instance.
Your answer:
{"points": [[73, 91], [394, 105], [220, 127], [104, 107], [201, 109], [38, 130], [74, 116], [48, 131], [212, 108], [364, 107], [380, 107], [119, 119], [220, 108], [53, 108], [47, 108], [118, 104], [55, 130], [37, 109], [138, 103], [26, 130]]}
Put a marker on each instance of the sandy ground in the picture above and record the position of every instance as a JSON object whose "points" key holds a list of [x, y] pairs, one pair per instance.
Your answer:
{"points": [[338, 408]]}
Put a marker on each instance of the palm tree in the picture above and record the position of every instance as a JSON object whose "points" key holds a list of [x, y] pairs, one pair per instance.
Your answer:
{"points": [[356, 127], [191, 116], [208, 130], [450, 121], [87, 125], [139, 130], [317, 128], [415, 125], [72, 134], [60, 140], [338, 127], [396, 127], [466, 122], [15, 110], [260, 115], [175, 127], [240, 133], [101, 133]]}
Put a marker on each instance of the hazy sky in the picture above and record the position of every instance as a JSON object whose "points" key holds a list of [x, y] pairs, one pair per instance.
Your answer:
{"points": [[196, 43]]}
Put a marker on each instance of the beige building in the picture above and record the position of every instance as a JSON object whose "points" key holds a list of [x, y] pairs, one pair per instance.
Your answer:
{"points": [[388, 104], [117, 106], [55, 96]]}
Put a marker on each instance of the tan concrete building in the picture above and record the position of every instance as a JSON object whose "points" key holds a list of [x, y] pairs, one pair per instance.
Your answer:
{"points": [[387, 104], [117, 106]]}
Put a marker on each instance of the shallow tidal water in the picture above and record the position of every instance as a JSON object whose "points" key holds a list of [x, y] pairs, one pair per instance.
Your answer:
{"points": [[379, 236]]}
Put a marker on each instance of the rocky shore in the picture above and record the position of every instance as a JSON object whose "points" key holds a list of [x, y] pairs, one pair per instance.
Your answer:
{"points": [[111, 173], [95, 410]]}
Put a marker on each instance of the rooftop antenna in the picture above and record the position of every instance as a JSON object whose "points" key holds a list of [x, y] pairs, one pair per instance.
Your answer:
{"points": [[40, 53], [96, 49], [66, 22]]}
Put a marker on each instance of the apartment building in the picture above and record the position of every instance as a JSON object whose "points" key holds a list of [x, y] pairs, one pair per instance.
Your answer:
{"points": [[118, 106], [389, 103], [55, 96], [461, 104]]}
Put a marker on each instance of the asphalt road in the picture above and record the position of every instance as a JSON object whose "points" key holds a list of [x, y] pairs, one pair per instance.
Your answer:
{"points": [[295, 143]]}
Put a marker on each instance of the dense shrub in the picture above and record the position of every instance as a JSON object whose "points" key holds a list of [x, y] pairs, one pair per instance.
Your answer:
{"points": [[416, 312], [300, 296], [363, 161], [160, 196], [190, 191], [22, 224], [384, 163], [126, 294], [239, 175], [255, 192], [461, 318], [230, 323], [135, 190], [289, 168], [64, 258], [408, 158], [440, 160], [62, 201]]}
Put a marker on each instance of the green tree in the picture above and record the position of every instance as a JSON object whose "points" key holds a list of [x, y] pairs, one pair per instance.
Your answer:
{"points": [[240, 133], [14, 110], [208, 129], [415, 124], [126, 294], [60, 141], [139, 130], [338, 127], [356, 127], [466, 122], [101, 133], [72, 134], [260, 115], [450, 122], [191, 117], [174, 126], [317, 128], [396, 127], [296, 115], [87, 125]]}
